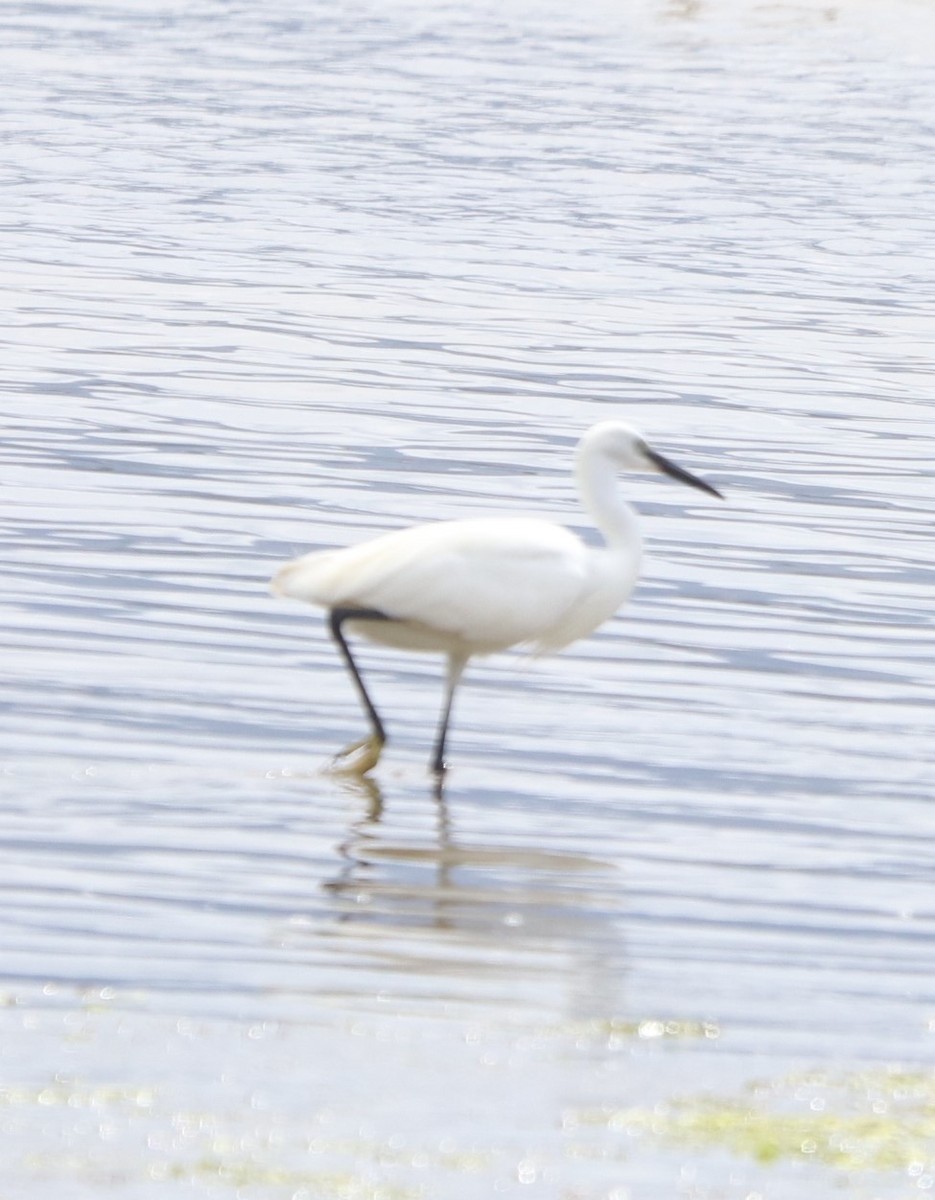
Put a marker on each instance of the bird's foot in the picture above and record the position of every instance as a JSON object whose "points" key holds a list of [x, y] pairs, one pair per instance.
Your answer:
{"points": [[358, 758]]}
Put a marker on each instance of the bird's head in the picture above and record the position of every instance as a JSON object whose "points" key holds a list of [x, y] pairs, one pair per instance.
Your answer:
{"points": [[629, 451]]}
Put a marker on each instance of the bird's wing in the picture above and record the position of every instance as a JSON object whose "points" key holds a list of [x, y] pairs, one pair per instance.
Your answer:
{"points": [[490, 582]]}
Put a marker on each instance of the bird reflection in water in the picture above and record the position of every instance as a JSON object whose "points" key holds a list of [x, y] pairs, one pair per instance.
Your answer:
{"points": [[496, 918], [366, 853]]}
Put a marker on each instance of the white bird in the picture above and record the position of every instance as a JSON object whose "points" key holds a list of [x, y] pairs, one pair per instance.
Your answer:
{"points": [[476, 586]]}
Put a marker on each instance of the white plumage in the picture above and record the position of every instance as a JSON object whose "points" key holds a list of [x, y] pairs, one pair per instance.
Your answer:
{"points": [[473, 587], [485, 583]]}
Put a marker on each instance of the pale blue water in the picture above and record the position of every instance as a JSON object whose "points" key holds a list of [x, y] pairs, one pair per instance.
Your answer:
{"points": [[280, 277]]}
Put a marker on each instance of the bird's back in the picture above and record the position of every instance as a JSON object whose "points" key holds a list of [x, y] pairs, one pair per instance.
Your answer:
{"points": [[492, 583]]}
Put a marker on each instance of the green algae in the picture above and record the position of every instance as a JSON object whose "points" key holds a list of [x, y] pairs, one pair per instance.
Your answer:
{"points": [[874, 1120], [229, 1157], [237, 1174], [59, 1094], [330, 1185], [649, 1029]]}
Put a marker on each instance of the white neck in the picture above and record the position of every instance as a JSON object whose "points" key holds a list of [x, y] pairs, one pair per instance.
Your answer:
{"points": [[597, 485]]}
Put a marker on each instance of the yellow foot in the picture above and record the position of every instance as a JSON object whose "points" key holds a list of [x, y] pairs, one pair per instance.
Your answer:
{"points": [[358, 758]]}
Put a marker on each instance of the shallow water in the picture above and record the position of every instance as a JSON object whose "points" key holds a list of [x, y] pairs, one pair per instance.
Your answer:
{"points": [[280, 278]]}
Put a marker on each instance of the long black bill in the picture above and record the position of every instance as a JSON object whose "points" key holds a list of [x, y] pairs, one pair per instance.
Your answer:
{"points": [[669, 468]]}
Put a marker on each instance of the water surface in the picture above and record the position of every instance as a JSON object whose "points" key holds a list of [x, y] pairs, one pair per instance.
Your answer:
{"points": [[282, 278]]}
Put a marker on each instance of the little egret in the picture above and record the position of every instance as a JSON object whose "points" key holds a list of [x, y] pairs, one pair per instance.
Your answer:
{"points": [[470, 587]]}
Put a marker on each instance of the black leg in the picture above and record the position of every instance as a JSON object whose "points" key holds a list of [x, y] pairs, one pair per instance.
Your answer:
{"points": [[456, 665], [336, 618]]}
